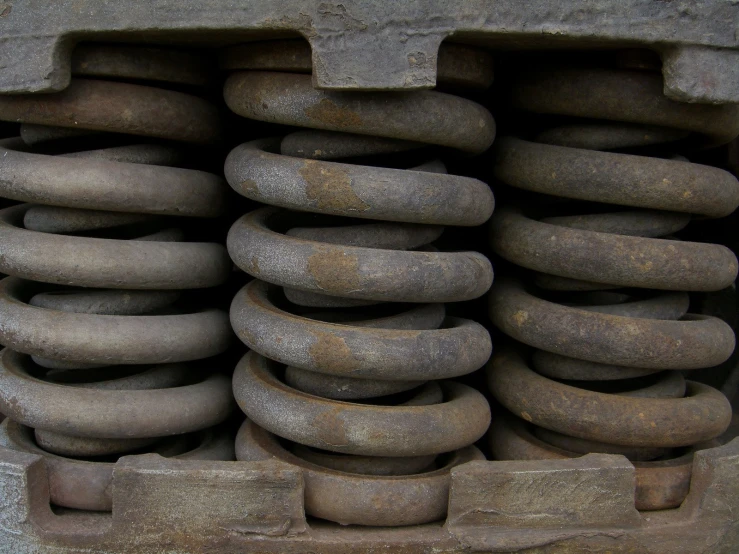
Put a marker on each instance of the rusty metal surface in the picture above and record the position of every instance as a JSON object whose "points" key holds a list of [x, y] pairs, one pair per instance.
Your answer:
{"points": [[141, 63], [118, 108], [355, 394], [114, 414], [456, 65], [86, 484], [691, 342], [406, 346], [404, 430], [623, 95], [355, 272], [128, 179], [359, 382], [176, 506], [108, 262], [617, 178], [703, 413], [384, 46], [660, 484], [425, 116], [593, 381], [417, 196], [611, 258], [358, 498], [97, 279]]}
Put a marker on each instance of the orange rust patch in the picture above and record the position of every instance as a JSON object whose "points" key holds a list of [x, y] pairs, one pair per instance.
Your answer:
{"points": [[254, 262], [249, 336], [520, 317], [331, 351], [250, 187], [336, 116], [334, 271], [330, 187], [330, 428]]}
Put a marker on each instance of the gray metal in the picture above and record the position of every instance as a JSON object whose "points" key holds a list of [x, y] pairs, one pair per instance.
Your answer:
{"points": [[371, 45], [168, 506]]}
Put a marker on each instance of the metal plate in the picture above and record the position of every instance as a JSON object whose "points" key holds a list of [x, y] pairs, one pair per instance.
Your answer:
{"points": [[372, 45], [198, 506]]}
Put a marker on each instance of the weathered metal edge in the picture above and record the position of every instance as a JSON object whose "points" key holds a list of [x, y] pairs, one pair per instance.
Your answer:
{"points": [[231, 507], [373, 45]]}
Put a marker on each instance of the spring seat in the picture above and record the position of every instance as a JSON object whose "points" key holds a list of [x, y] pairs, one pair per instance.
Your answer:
{"points": [[103, 338], [606, 307], [351, 344]]}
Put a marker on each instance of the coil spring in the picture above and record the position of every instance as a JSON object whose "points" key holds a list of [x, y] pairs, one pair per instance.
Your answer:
{"points": [[605, 350], [359, 397], [96, 341]]}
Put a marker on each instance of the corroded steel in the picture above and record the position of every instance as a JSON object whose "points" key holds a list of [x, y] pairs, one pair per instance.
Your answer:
{"points": [[118, 108], [358, 498], [97, 277], [456, 64], [702, 414], [357, 272], [660, 484], [404, 430], [426, 116], [86, 484], [97, 100], [366, 45], [358, 388], [354, 381], [594, 384], [405, 346]]}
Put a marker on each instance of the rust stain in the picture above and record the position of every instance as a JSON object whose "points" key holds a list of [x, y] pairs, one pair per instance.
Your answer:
{"points": [[330, 187], [330, 351], [328, 112], [254, 262], [520, 317], [250, 187], [5, 9], [334, 272], [330, 428], [248, 337]]}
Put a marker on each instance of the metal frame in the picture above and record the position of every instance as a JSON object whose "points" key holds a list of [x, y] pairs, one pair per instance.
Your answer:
{"points": [[176, 506], [169, 506], [373, 45]]}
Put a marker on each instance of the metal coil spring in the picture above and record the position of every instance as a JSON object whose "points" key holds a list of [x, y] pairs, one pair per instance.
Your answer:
{"points": [[96, 338], [358, 399], [603, 376]]}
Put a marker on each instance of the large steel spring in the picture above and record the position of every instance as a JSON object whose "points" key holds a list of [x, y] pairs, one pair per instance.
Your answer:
{"points": [[610, 324], [97, 338], [353, 309]]}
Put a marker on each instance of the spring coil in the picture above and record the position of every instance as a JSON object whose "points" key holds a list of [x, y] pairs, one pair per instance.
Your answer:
{"points": [[358, 399], [602, 378], [96, 338]]}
